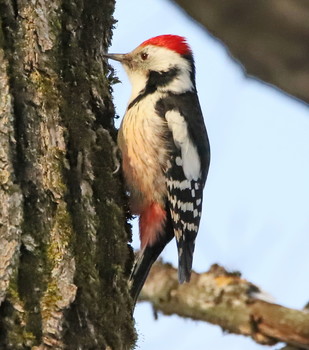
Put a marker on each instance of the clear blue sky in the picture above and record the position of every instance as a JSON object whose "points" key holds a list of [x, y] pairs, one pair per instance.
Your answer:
{"points": [[256, 204]]}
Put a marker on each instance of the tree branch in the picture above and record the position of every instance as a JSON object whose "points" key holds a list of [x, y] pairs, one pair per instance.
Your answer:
{"points": [[225, 299], [270, 38]]}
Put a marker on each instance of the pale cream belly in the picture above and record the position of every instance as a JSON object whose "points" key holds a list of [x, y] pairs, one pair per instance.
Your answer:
{"points": [[145, 181], [144, 157]]}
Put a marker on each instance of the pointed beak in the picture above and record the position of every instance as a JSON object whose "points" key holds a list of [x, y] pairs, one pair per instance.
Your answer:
{"points": [[116, 56]]}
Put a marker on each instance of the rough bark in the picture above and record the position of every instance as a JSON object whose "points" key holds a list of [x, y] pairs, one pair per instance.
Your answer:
{"points": [[64, 257], [229, 301], [270, 38]]}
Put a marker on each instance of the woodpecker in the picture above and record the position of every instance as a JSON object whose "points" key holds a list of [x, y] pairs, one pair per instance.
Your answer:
{"points": [[165, 151]]}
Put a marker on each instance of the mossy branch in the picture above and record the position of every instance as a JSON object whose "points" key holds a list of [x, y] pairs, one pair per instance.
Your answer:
{"points": [[225, 299]]}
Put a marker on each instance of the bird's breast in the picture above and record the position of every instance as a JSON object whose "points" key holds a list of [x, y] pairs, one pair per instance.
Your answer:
{"points": [[142, 140]]}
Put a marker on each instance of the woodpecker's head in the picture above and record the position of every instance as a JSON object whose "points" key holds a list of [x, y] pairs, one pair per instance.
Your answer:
{"points": [[163, 63]]}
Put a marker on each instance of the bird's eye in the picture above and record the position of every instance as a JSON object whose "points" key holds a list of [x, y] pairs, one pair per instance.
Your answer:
{"points": [[144, 56]]}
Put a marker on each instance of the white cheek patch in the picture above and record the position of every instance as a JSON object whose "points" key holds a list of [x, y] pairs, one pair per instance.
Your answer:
{"points": [[182, 83], [190, 159], [164, 60], [161, 59]]}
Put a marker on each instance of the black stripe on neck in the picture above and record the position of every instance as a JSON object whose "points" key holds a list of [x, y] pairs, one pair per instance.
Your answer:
{"points": [[155, 80]]}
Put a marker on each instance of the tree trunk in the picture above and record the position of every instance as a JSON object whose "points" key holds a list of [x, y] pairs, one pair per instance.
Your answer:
{"points": [[270, 38], [64, 258]]}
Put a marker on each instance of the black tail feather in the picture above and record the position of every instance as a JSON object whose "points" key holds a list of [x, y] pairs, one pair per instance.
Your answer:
{"points": [[146, 258], [185, 259], [141, 268]]}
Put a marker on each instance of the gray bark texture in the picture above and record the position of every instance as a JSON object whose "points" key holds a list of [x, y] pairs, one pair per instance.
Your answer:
{"points": [[270, 38], [64, 257]]}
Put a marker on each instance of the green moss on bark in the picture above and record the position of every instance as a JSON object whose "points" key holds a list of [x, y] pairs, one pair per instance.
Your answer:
{"points": [[74, 261]]}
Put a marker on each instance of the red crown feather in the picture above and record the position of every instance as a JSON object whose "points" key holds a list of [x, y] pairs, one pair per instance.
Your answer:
{"points": [[173, 42]]}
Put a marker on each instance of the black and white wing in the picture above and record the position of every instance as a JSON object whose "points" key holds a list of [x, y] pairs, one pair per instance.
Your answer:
{"points": [[186, 173]]}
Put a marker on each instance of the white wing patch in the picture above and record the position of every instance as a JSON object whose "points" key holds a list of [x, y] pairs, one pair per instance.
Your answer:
{"points": [[190, 159]]}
